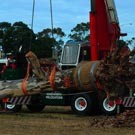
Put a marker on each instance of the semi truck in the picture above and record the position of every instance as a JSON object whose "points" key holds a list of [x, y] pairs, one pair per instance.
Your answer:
{"points": [[104, 34]]}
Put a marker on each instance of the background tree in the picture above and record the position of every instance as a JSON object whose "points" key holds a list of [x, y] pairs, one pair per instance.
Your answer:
{"points": [[16, 35], [121, 43], [4, 26], [45, 42], [19, 34], [43, 47], [131, 43], [80, 32]]}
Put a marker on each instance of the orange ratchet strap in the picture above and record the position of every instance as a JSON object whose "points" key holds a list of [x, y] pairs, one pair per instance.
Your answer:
{"points": [[25, 80], [52, 77]]}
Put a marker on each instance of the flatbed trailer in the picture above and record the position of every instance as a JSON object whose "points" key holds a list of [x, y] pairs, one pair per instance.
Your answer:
{"points": [[81, 102]]}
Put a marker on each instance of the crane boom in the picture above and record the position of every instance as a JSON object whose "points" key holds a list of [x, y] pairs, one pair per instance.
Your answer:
{"points": [[104, 27]]}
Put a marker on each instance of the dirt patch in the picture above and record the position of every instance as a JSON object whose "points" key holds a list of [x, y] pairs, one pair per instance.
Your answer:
{"points": [[126, 119]]}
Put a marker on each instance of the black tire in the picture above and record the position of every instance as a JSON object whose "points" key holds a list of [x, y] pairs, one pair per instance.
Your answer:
{"points": [[36, 107], [81, 104], [11, 107], [108, 108]]}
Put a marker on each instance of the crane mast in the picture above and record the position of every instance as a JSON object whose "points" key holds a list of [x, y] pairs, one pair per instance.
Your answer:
{"points": [[104, 28]]}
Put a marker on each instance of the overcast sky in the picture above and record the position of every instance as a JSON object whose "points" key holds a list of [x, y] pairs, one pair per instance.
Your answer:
{"points": [[66, 13]]}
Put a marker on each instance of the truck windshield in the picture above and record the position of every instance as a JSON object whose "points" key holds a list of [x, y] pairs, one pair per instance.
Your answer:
{"points": [[70, 54]]}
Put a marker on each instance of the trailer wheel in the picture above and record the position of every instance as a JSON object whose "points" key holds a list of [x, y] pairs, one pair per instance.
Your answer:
{"points": [[108, 108], [81, 104], [36, 107], [11, 107]]}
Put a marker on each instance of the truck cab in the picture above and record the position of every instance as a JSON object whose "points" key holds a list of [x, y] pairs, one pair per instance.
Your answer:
{"points": [[73, 53]]}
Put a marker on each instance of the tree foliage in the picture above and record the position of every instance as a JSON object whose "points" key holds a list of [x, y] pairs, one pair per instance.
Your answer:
{"points": [[48, 39], [80, 32], [4, 26], [19, 34], [16, 35], [131, 43], [121, 43]]}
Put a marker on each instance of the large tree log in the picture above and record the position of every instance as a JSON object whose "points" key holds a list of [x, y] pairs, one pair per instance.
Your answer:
{"points": [[14, 88], [116, 75], [27, 85], [80, 78]]}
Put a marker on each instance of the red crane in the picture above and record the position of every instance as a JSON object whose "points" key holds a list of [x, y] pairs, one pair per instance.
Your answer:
{"points": [[104, 28]]}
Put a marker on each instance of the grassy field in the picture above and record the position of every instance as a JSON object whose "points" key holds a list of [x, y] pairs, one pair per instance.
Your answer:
{"points": [[54, 121]]}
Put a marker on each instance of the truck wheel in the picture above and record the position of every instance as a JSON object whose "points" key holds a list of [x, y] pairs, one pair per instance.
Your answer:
{"points": [[108, 108], [81, 104], [11, 107], [36, 107]]}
